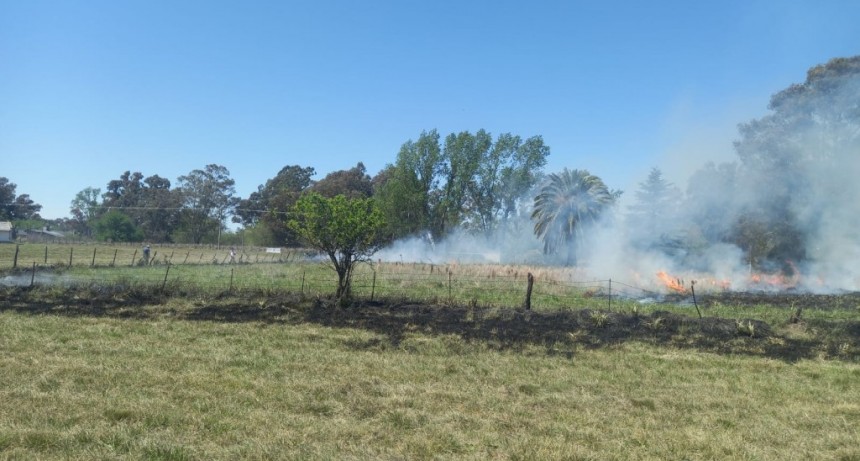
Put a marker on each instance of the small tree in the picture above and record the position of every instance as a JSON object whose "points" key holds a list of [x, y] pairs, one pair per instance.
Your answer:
{"points": [[346, 230], [114, 226]]}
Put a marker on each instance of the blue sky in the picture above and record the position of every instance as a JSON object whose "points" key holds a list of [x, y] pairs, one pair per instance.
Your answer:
{"points": [[90, 89]]}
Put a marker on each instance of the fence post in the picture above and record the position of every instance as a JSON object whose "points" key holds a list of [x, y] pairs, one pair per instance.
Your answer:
{"points": [[46, 255], [450, 299], [186, 257], [33, 276], [373, 286], [164, 283], [71, 252], [15, 260], [115, 251], [610, 294], [133, 257], [693, 291], [93, 263], [528, 303], [303, 281], [231, 280]]}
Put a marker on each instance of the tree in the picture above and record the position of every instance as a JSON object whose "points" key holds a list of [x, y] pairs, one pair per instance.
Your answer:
{"points": [[116, 226], [85, 208], [506, 172], [652, 219], [16, 207], [462, 158], [399, 196], [405, 190], [25, 208], [567, 203], [7, 198], [800, 165], [159, 216], [352, 183], [148, 201], [472, 182], [124, 193], [268, 206], [208, 198], [346, 230]]}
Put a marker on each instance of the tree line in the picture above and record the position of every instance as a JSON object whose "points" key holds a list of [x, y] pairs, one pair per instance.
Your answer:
{"points": [[795, 172]]}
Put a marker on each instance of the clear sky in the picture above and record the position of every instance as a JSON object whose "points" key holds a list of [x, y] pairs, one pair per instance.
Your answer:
{"points": [[90, 89]]}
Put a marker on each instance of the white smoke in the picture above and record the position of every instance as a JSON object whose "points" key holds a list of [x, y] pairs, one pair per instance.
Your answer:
{"points": [[823, 186]]}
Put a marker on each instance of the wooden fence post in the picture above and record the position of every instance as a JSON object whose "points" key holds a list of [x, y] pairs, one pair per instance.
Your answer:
{"points": [[693, 291], [450, 299], [71, 252], [15, 260], [303, 282], [231, 280], [93, 263], [373, 286], [610, 295], [133, 257], [528, 303], [115, 251], [33, 276], [164, 283], [46, 255]]}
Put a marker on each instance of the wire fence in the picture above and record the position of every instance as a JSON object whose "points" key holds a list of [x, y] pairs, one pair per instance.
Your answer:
{"points": [[210, 270], [13, 256]]}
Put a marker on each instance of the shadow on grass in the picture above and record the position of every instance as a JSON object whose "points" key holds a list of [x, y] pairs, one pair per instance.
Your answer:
{"points": [[559, 332]]}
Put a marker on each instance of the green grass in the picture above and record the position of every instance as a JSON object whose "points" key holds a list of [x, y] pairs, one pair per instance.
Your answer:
{"points": [[104, 364], [208, 377]]}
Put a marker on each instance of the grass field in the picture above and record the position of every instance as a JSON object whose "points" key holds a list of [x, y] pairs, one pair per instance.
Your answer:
{"points": [[267, 371]]}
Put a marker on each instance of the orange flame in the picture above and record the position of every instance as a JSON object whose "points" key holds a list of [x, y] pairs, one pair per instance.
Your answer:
{"points": [[674, 284]]}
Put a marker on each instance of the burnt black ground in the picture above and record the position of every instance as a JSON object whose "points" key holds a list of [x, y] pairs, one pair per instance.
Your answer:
{"points": [[560, 332]]}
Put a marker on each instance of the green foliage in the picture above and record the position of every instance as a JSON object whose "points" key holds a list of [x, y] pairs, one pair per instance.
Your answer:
{"points": [[567, 204], [150, 203], [16, 207], [345, 230], [473, 182], [115, 226], [352, 183], [208, 198], [85, 208], [269, 205]]}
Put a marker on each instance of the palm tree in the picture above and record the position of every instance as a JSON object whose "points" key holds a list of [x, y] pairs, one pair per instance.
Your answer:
{"points": [[566, 202]]}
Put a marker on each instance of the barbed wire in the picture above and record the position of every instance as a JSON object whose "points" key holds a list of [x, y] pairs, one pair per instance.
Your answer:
{"points": [[498, 291]]}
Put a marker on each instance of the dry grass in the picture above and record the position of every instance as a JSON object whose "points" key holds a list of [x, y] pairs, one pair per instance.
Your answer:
{"points": [[127, 255]]}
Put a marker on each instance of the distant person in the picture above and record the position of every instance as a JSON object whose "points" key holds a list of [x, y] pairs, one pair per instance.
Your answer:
{"points": [[146, 254], [232, 255]]}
